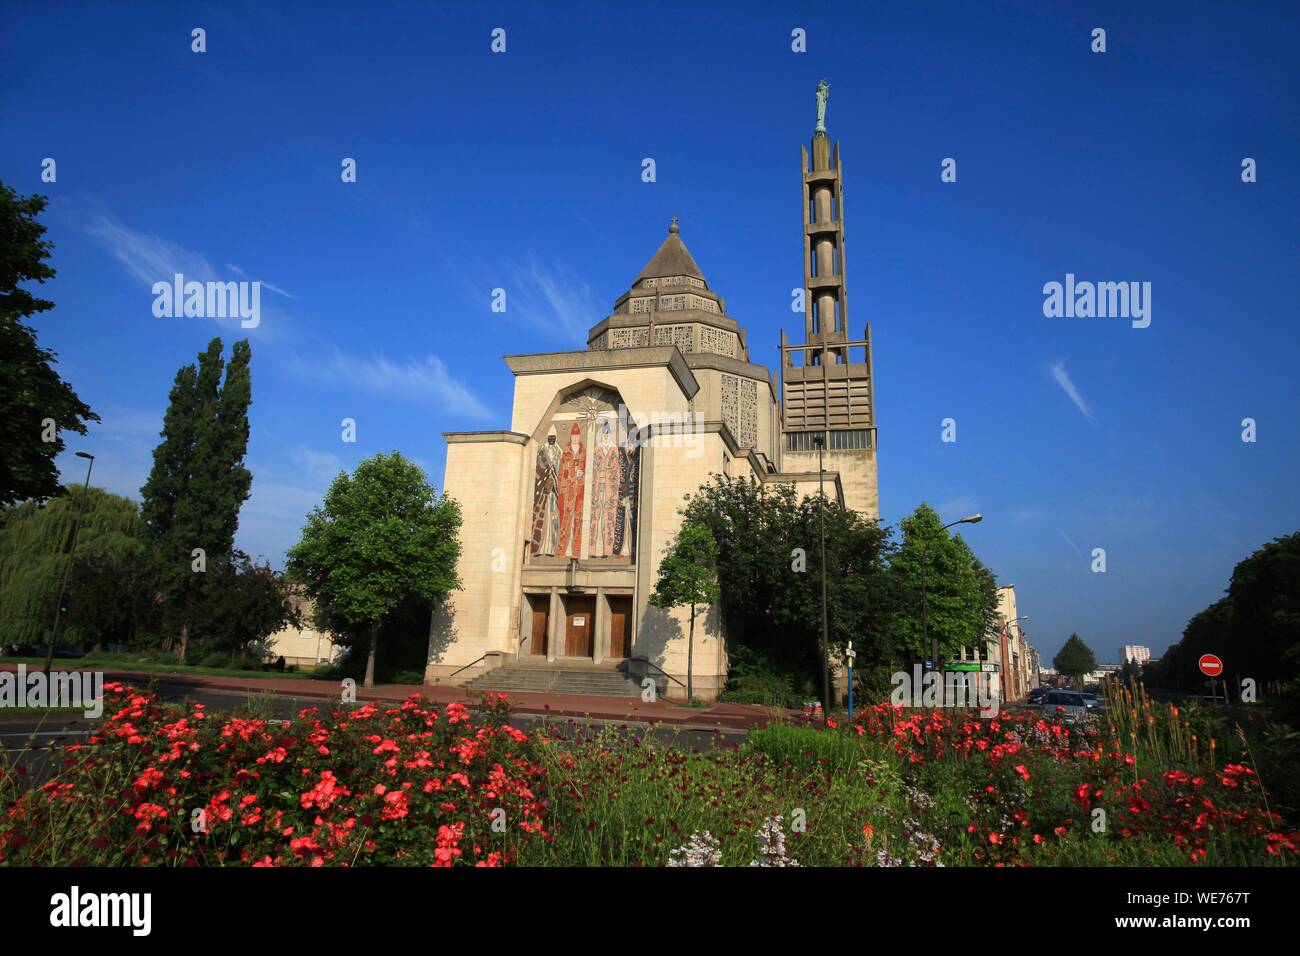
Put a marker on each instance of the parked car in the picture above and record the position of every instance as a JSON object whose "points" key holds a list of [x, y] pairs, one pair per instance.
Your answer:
{"points": [[1070, 701], [1036, 696], [1093, 701]]}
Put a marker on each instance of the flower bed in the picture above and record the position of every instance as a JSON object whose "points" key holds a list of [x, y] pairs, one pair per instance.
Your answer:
{"points": [[169, 785], [913, 788], [415, 784]]}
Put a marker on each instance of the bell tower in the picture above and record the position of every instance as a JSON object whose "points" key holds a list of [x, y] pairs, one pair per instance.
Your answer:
{"points": [[827, 386]]}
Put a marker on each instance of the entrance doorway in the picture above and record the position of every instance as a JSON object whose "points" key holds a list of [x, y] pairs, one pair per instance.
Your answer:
{"points": [[620, 626], [579, 626], [539, 606]]}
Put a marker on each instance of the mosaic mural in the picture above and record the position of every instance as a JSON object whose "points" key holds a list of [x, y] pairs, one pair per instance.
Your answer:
{"points": [[587, 483]]}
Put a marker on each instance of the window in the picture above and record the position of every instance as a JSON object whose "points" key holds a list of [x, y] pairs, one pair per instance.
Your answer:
{"points": [[842, 440]]}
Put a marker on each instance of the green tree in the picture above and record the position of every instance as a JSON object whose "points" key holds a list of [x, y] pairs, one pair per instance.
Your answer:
{"points": [[688, 575], [1254, 627], [381, 536], [1075, 659], [404, 649], [198, 481], [112, 594], [34, 543], [32, 395], [246, 604], [769, 576], [949, 593]]}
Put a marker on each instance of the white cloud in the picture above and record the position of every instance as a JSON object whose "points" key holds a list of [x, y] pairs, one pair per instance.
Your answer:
{"points": [[152, 259], [1063, 379], [956, 508], [553, 301], [1070, 542], [320, 465], [149, 258], [412, 380]]}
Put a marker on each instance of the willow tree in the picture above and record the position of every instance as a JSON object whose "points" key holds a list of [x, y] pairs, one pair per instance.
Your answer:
{"points": [[34, 551], [198, 482]]}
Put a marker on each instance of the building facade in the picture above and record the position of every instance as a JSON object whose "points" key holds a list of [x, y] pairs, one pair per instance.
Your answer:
{"points": [[1138, 654], [567, 513], [302, 646], [1009, 649]]}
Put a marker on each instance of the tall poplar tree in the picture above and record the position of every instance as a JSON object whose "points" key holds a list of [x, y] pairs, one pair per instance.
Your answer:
{"points": [[198, 483]]}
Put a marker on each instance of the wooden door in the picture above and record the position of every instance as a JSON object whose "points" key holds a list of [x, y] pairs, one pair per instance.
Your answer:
{"points": [[620, 626], [540, 605], [579, 626]]}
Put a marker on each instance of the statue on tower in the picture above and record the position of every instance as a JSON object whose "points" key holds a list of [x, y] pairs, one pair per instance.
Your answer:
{"points": [[823, 94]]}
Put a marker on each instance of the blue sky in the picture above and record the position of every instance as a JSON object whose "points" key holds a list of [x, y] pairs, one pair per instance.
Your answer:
{"points": [[523, 171]]}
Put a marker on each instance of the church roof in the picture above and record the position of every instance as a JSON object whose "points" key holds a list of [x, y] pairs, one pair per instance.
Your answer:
{"points": [[672, 259]]}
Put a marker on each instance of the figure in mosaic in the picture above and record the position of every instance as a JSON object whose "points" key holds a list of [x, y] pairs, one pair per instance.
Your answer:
{"points": [[570, 480], [605, 474], [546, 505], [625, 520]]}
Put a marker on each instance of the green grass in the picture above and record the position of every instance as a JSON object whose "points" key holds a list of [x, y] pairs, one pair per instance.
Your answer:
{"points": [[133, 662], [39, 711]]}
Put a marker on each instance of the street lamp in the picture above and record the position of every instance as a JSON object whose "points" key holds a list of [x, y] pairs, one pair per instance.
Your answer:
{"points": [[820, 441], [925, 574], [67, 570]]}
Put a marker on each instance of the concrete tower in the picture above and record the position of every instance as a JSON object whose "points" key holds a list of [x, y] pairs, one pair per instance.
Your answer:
{"points": [[826, 381]]}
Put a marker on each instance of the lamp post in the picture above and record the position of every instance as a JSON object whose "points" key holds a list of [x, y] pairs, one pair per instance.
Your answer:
{"points": [[67, 570], [925, 575], [820, 441]]}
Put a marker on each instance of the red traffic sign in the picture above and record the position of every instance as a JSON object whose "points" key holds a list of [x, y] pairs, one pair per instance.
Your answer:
{"points": [[1210, 665]]}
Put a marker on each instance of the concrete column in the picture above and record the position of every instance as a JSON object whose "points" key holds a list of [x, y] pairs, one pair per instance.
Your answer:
{"points": [[525, 619], [554, 626], [600, 639], [646, 541]]}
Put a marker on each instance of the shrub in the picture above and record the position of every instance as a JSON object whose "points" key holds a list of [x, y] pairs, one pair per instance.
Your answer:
{"points": [[755, 678]]}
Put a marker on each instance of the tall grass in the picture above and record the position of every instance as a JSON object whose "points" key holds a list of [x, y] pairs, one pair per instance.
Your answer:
{"points": [[1160, 735]]}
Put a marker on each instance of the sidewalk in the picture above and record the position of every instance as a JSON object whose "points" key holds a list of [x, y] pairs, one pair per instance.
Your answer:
{"points": [[719, 716]]}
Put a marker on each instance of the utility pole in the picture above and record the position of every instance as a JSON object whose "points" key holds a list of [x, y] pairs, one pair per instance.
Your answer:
{"points": [[820, 441]]}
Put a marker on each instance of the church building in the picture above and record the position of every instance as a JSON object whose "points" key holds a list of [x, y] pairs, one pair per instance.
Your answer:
{"points": [[567, 513]]}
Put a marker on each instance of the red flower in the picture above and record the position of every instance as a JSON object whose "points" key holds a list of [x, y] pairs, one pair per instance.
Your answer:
{"points": [[397, 805]]}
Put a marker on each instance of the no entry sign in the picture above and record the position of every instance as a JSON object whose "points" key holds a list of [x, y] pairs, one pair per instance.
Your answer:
{"points": [[1210, 665]]}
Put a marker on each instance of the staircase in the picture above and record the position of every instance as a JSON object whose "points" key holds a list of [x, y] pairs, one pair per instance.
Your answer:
{"points": [[596, 680]]}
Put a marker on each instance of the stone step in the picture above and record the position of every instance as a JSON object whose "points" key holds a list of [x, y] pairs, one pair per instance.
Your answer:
{"points": [[597, 680]]}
